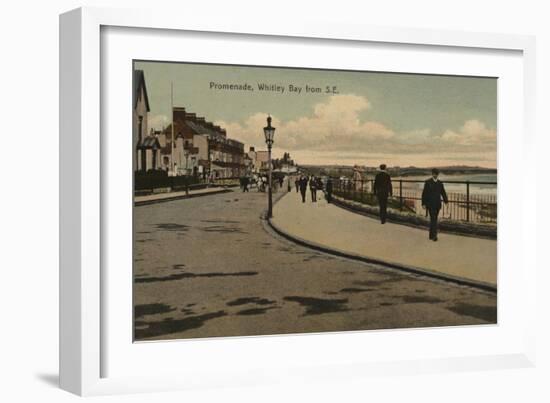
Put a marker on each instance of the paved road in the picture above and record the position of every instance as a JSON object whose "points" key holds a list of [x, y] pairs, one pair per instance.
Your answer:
{"points": [[208, 267], [455, 256]]}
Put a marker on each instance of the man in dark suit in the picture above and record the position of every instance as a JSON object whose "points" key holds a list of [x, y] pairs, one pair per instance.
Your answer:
{"points": [[328, 190], [245, 182], [432, 194], [383, 189], [313, 188], [303, 187]]}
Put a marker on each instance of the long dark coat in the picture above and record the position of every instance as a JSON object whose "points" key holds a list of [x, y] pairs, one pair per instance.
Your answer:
{"points": [[303, 184], [382, 184], [432, 194]]}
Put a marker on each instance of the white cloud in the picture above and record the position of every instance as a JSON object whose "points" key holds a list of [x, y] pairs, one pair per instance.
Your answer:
{"points": [[472, 134], [334, 124], [335, 131], [412, 137]]}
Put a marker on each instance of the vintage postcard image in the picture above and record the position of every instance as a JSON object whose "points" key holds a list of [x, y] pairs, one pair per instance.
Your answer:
{"points": [[273, 200]]}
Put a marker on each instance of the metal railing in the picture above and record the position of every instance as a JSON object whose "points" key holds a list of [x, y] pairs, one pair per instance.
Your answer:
{"points": [[159, 180], [467, 201]]}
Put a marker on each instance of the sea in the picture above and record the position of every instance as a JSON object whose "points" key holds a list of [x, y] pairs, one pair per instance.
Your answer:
{"points": [[475, 189]]}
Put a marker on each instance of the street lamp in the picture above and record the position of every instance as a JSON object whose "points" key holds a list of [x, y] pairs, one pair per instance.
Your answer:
{"points": [[269, 133], [186, 155]]}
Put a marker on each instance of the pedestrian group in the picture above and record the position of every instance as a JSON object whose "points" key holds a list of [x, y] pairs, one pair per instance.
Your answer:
{"points": [[433, 194]]}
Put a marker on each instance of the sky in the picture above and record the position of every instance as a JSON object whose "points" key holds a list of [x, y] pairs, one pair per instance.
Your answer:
{"points": [[364, 118]]}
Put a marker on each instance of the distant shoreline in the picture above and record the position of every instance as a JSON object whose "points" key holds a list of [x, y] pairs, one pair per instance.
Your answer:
{"points": [[402, 171]]}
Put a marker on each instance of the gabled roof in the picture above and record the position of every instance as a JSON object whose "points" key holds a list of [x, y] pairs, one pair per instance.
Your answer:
{"points": [[198, 128], [139, 83]]}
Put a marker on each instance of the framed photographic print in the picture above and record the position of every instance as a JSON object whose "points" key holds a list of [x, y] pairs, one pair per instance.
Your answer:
{"points": [[238, 205]]}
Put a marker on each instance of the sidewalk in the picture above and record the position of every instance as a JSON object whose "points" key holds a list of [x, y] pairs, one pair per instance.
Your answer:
{"points": [[169, 196], [332, 228]]}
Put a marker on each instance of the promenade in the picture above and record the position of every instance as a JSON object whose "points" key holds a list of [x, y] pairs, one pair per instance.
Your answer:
{"points": [[333, 228]]}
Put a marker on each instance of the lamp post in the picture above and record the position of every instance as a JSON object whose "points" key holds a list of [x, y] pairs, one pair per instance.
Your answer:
{"points": [[269, 133], [186, 155]]}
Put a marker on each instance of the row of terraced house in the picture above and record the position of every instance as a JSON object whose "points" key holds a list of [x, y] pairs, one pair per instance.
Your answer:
{"points": [[200, 148]]}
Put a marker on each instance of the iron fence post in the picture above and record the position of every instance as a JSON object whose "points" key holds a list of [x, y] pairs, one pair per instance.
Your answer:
{"points": [[401, 194], [346, 190], [467, 200]]}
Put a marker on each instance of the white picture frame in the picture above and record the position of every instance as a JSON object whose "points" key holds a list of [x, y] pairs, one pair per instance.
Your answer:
{"points": [[85, 343]]}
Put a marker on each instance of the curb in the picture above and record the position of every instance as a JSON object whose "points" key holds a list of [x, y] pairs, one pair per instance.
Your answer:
{"points": [[180, 197], [365, 259]]}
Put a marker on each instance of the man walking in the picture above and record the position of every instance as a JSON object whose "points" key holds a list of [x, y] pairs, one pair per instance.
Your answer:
{"points": [[432, 194], [297, 183], [313, 188], [328, 189], [383, 189], [303, 188]]}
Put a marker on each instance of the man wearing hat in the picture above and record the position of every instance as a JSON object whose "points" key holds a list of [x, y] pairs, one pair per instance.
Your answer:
{"points": [[432, 194], [382, 190], [303, 187]]}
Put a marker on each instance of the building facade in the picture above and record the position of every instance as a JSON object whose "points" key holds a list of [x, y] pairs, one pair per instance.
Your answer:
{"points": [[201, 148], [146, 146], [148, 153], [260, 160]]}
